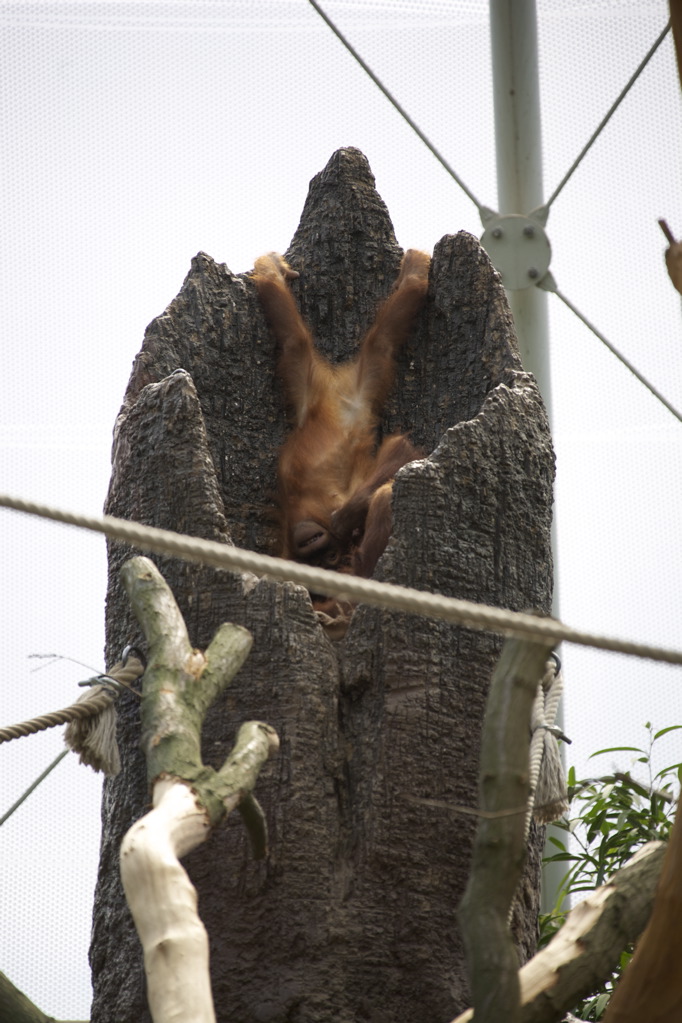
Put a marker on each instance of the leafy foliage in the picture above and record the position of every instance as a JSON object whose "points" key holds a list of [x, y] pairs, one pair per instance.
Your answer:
{"points": [[615, 815]]}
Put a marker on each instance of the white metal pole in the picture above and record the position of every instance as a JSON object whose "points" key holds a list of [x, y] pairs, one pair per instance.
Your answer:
{"points": [[518, 139], [518, 143]]}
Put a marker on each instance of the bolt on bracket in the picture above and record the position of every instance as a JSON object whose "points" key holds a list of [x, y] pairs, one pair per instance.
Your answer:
{"points": [[519, 249]]}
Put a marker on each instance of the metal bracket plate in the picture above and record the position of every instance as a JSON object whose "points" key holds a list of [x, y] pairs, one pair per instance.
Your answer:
{"points": [[518, 248]]}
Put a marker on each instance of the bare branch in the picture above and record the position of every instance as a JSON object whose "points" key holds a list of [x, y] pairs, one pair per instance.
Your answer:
{"points": [[587, 948], [500, 842], [179, 685]]}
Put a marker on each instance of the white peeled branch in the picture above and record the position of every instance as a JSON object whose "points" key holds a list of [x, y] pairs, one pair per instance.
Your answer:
{"points": [[163, 902]]}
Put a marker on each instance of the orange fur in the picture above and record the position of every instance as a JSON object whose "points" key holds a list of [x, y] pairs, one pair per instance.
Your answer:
{"points": [[334, 485]]}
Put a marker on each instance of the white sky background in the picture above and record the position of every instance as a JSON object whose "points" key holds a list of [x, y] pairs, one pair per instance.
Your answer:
{"points": [[138, 133]]}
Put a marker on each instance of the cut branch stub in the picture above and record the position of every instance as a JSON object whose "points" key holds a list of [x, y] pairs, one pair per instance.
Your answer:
{"points": [[176, 696], [180, 684]]}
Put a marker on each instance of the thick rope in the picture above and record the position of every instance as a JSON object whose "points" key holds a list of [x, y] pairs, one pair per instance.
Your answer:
{"points": [[548, 793], [75, 712], [367, 591], [91, 703]]}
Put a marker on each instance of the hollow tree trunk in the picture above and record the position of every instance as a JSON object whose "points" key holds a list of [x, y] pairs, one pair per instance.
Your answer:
{"points": [[352, 917]]}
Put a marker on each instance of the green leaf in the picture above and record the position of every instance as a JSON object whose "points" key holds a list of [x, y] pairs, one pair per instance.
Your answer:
{"points": [[625, 957], [617, 749], [664, 731], [601, 1003], [614, 818], [562, 857], [672, 768]]}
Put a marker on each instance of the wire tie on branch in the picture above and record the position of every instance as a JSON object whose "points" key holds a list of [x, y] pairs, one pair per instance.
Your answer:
{"points": [[91, 721], [112, 685], [133, 651], [94, 738], [555, 731]]}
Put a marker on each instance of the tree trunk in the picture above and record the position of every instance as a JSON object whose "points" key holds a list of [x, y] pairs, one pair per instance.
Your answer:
{"points": [[352, 916]]}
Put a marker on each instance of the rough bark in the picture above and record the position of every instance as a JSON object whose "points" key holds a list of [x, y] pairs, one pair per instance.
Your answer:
{"points": [[352, 917]]}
